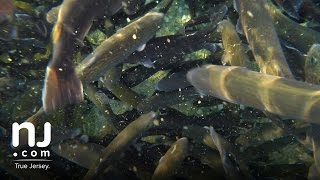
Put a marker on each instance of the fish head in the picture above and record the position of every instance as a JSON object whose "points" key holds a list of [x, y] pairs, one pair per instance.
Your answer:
{"points": [[312, 65]]}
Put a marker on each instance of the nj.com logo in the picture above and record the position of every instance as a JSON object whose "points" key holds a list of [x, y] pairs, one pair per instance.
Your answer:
{"points": [[16, 128]]}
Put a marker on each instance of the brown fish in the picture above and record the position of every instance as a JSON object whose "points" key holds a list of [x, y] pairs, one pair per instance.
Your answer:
{"points": [[61, 85], [7, 9], [7, 18]]}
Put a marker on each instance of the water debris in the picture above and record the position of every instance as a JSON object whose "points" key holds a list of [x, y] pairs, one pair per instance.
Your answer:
{"points": [[120, 143], [282, 96], [263, 39], [171, 160]]}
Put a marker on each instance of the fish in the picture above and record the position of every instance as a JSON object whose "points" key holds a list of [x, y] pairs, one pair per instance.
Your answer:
{"points": [[58, 133], [296, 60], [229, 162], [83, 154], [115, 49], [120, 143], [234, 51], [134, 76], [312, 65], [112, 82], [61, 84], [215, 14], [310, 10], [262, 37], [291, 7], [171, 160], [166, 47], [274, 94], [299, 36], [199, 134], [208, 157], [7, 10], [301, 9], [8, 30], [95, 65], [315, 135], [52, 14], [174, 81], [101, 101], [234, 167], [162, 100], [312, 75]]}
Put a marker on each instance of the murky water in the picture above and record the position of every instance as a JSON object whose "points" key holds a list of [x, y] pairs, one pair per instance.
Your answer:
{"points": [[169, 89]]}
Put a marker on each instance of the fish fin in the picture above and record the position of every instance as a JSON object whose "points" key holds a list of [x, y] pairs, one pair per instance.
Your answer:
{"points": [[236, 5], [60, 89], [14, 32], [239, 28], [80, 42], [148, 63], [141, 48]]}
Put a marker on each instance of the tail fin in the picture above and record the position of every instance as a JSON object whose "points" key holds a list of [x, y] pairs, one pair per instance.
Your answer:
{"points": [[60, 89]]}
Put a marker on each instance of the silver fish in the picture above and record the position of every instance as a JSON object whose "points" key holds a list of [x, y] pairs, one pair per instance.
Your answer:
{"points": [[61, 85]]}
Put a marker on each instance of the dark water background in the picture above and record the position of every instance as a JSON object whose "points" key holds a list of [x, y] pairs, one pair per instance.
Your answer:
{"points": [[251, 144]]}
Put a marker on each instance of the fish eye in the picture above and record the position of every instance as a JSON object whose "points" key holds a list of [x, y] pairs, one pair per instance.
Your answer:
{"points": [[313, 60]]}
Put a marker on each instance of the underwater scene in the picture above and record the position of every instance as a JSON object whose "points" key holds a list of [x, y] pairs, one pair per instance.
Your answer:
{"points": [[160, 89]]}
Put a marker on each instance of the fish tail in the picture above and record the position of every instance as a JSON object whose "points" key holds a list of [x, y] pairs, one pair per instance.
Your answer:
{"points": [[60, 89]]}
